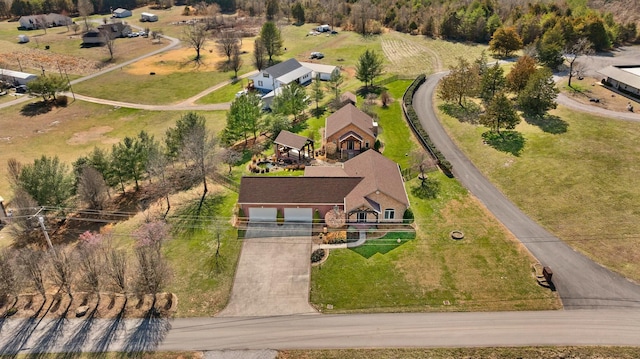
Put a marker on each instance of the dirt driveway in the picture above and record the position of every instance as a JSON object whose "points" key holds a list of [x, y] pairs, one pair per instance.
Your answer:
{"points": [[273, 272]]}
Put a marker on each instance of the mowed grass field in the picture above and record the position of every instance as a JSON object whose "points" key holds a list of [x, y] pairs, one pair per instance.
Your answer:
{"points": [[583, 184], [487, 270]]}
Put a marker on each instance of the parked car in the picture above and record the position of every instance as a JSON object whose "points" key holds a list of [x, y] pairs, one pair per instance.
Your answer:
{"points": [[316, 55], [21, 89]]}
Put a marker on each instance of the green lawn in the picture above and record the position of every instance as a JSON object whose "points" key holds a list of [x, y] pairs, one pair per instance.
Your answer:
{"points": [[488, 270], [202, 282], [397, 140], [581, 184]]}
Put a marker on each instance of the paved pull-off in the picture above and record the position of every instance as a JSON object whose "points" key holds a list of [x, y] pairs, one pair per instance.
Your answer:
{"points": [[581, 283], [274, 272]]}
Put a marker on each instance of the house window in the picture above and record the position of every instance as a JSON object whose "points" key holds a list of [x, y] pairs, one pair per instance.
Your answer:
{"points": [[366, 144], [362, 216], [265, 75], [260, 83], [389, 213]]}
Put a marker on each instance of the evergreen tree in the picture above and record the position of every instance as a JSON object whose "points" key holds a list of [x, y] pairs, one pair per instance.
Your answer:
{"points": [[492, 82], [540, 94], [271, 40], [369, 67], [500, 114]]}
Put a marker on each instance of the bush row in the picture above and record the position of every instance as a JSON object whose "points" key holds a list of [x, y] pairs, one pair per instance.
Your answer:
{"points": [[422, 135]]}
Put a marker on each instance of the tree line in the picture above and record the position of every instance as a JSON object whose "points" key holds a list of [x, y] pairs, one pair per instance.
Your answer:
{"points": [[93, 266]]}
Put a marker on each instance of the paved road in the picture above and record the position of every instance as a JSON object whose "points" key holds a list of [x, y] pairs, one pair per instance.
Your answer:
{"points": [[392, 330], [580, 282]]}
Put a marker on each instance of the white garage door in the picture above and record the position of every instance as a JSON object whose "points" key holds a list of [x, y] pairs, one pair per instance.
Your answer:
{"points": [[298, 215], [262, 214]]}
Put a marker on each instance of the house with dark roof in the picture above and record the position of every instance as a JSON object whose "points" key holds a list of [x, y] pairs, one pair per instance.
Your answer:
{"points": [[288, 143], [623, 78], [351, 130], [99, 36], [366, 189]]}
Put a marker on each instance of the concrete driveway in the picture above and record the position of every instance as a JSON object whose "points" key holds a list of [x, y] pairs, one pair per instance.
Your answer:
{"points": [[273, 273]]}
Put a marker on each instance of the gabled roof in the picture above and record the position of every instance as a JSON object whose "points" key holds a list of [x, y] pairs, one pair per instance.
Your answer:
{"points": [[120, 10], [290, 139], [293, 75], [291, 190], [319, 68], [348, 114], [379, 174], [16, 74], [349, 96], [628, 75], [283, 68]]}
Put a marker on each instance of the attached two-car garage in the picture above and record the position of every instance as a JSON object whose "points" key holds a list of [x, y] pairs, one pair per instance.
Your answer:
{"points": [[260, 214]]}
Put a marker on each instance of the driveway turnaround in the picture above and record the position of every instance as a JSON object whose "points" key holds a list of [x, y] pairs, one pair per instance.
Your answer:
{"points": [[273, 272], [580, 282]]}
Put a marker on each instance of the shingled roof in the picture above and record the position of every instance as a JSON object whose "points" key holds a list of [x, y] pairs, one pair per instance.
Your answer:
{"points": [[348, 114], [283, 68], [290, 139], [296, 190], [379, 174]]}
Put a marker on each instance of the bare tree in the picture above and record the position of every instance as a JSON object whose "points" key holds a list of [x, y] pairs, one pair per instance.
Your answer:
{"points": [[22, 226], [230, 157], [116, 269], [196, 37], [91, 264], [259, 54], [14, 168], [227, 42], [8, 277], [85, 8], [61, 269], [236, 61], [571, 53], [156, 165], [92, 188], [109, 42], [200, 146], [152, 271], [31, 266]]}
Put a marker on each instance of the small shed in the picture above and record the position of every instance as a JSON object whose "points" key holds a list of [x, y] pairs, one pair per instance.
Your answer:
{"points": [[323, 28], [121, 13], [147, 16], [286, 142], [16, 77], [348, 97]]}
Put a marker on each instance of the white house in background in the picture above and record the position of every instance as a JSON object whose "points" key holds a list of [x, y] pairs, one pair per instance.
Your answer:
{"points": [[323, 28], [120, 13], [33, 22], [271, 79], [325, 71], [623, 78], [282, 74], [147, 16], [16, 77]]}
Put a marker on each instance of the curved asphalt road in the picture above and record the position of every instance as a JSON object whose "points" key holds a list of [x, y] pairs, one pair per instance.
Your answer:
{"points": [[580, 282]]}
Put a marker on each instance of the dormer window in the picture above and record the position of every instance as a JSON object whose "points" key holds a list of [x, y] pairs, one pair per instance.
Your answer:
{"points": [[265, 75]]}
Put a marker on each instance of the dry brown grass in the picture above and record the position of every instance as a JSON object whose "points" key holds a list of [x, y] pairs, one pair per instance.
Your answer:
{"points": [[587, 88]]}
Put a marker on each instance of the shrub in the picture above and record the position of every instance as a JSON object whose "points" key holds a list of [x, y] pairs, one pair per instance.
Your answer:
{"points": [[408, 216], [317, 255], [62, 101]]}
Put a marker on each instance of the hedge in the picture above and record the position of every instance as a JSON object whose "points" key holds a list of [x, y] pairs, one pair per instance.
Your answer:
{"points": [[416, 126]]}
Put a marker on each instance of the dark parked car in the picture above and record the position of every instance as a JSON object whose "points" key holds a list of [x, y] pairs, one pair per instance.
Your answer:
{"points": [[21, 89]]}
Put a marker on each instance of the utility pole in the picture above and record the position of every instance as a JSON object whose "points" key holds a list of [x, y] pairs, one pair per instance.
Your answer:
{"points": [[44, 229]]}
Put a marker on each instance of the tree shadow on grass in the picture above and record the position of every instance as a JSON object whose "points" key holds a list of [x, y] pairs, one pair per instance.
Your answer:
{"points": [[506, 141], [469, 114], [36, 108], [426, 189], [364, 91], [548, 123], [190, 220], [318, 112]]}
